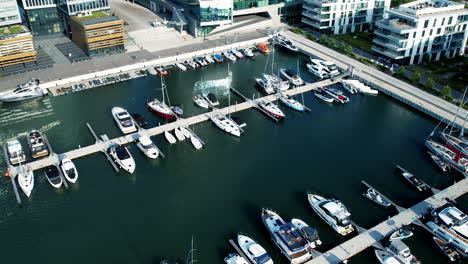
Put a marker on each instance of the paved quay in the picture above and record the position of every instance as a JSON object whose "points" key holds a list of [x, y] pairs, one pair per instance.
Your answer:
{"points": [[364, 240], [404, 92]]}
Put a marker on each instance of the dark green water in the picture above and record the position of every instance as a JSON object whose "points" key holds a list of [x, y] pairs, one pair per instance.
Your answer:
{"points": [[214, 193]]}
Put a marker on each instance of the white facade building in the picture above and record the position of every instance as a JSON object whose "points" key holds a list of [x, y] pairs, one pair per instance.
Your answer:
{"points": [[422, 29], [9, 13], [343, 16]]}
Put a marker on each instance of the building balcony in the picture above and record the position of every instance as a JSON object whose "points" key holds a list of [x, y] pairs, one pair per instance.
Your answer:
{"points": [[389, 45], [316, 16], [312, 23], [394, 25], [319, 2], [390, 36], [385, 52]]}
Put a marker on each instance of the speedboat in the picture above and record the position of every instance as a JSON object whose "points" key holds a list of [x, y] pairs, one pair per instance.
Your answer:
{"points": [[415, 182], [263, 48], [152, 71], [447, 249], [248, 52], [192, 64], [200, 101], [372, 195], [178, 110], [26, 179], [53, 176], [455, 160], [271, 108], [209, 59], [196, 143], [226, 124], [146, 145], [277, 82], [69, 170], [284, 42], [349, 86], [181, 67], [140, 120], [286, 237], [123, 158], [234, 258], [218, 58], [292, 77], [291, 103], [254, 251], [309, 233], [211, 99], [161, 109], [439, 162], [330, 67], [318, 70], [23, 92], [333, 212], [336, 95], [237, 53], [179, 135], [265, 84], [123, 120], [403, 233], [201, 61], [162, 71], [169, 137], [401, 252], [37, 144], [15, 152], [385, 257], [322, 95], [228, 55]]}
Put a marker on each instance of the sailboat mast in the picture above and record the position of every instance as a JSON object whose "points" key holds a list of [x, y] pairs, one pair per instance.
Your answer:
{"points": [[458, 110]]}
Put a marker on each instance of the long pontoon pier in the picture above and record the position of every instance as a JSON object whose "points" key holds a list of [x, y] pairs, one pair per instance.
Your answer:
{"points": [[101, 145], [364, 240]]}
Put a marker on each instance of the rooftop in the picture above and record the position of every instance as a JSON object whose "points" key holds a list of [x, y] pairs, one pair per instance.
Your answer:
{"points": [[94, 18], [428, 7], [11, 31]]}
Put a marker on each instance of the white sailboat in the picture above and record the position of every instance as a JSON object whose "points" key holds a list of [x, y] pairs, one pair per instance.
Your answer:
{"points": [[169, 137]]}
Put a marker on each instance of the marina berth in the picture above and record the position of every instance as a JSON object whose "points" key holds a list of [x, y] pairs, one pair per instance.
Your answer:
{"points": [[15, 152], [123, 158], [53, 176], [37, 145], [123, 120], [69, 170], [255, 252], [372, 195], [140, 120], [147, 147]]}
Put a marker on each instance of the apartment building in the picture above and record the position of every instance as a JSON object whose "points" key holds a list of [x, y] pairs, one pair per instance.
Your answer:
{"points": [[16, 46], [422, 30], [9, 13]]}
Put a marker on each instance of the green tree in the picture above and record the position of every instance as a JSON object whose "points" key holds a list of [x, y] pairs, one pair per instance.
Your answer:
{"points": [[323, 38], [416, 78], [331, 42], [342, 46], [430, 83], [349, 50], [446, 92], [402, 71]]}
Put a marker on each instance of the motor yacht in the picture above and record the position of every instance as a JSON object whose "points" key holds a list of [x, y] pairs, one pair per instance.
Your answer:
{"points": [[25, 179], [53, 176], [453, 218], [318, 70], [211, 99], [333, 212], [140, 120], [15, 152], [200, 101], [291, 103], [201, 61], [286, 237], [310, 234], [448, 234], [234, 258], [123, 120], [385, 257], [192, 64], [330, 67], [401, 252], [69, 170], [291, 76], [285, 43], [169, 137], [147, 146], [254, 251], [238, 54], [152, 71], [272, 109], [23, 92], [37, 144], [349, 86], [123, 158], [228, 55], [372, 195], [265, 84], [226, 124], [277, 82], [413, 180], [181, 67], [248, 52]]}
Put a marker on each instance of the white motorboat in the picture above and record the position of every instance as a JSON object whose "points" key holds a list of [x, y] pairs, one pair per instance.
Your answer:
{"points": [[200, 101], [401, 252], [359, 87], [265, 84], [309, 233], [179, 135], [292, 77], [284, 42], [23, 92], [196, 143], [449, 234], [318, 70], [286, 237], [201, 61], [454, 219], [169, 137], [248, 52], [123, 158], [229, 56], [209, 59], [147, 146], [15, 152], [152, 71], [226, 124], [330, 67], [413, 180], [186, 132], [238, 54], [447, 249], [322, 95], [181, 66], [69, 170], [123, 120], [336, 95], [403, 233], [349, 86], [234, 258], [372, 195], [37, 144], [26, 179], [385, 257], [192, 64], [291, 103], [272, 109], [333, 212], [53, 176], [277, 82], [211, 99], [254, 251]]}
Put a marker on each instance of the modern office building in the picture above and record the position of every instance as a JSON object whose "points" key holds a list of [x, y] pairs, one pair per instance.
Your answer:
{"points": [[16, 46], [98, 33], [343, 16], [9, 13], [74, 7], [42, 17], [422, 30]]}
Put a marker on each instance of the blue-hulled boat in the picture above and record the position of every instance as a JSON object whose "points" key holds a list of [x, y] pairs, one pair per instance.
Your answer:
{"points": [[291, 103], [218, 58]]}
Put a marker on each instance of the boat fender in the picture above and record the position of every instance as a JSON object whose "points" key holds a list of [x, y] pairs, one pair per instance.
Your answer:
{"points": [[7, 174]]}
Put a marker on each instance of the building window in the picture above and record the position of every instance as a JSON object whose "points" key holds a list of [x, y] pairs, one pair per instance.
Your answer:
{"points": [[435, 21], [438, 31], [430, 33], [426, 23], [450, 20]]}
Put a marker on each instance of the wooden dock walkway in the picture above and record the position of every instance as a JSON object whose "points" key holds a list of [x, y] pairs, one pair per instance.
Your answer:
{"points": [[364, 240]]}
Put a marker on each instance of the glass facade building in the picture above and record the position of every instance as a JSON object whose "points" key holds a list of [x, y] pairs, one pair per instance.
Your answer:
{"points": [[44, 21], [244, 4], [73, 7], [214, 11]]}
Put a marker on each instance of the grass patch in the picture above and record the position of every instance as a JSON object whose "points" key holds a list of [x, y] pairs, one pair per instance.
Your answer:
{"points": [[360, 40], [365, 61], [94, 15], [297, 31], [16, 29]]}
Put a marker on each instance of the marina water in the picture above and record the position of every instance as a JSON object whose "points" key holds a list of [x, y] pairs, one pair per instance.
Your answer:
{"points": [[219, 191]]}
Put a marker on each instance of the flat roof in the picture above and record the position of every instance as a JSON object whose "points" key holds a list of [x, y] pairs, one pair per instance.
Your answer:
{"points": [[97, 17], [11, 31]]}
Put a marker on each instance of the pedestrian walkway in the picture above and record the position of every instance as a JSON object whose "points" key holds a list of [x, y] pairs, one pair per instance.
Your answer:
{"points": [[48, 44]]}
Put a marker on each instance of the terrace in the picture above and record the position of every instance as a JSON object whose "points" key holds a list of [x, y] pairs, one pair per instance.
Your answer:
{"points": [[10, 31]]}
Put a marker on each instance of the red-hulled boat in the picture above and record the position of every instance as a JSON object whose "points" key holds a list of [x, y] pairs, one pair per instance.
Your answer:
{"points": [[162, 71], [160, 107]]}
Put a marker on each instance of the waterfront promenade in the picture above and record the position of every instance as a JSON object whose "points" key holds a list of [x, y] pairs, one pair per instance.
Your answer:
{"points": [[402, 91], [364, 240]]}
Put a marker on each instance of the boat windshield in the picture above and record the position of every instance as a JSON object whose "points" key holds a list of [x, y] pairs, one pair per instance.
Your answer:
{"points": [[406, 253], [150, 146], [126, 122], [70, 172], [344, 222], [262, 259], [122, 153]]}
